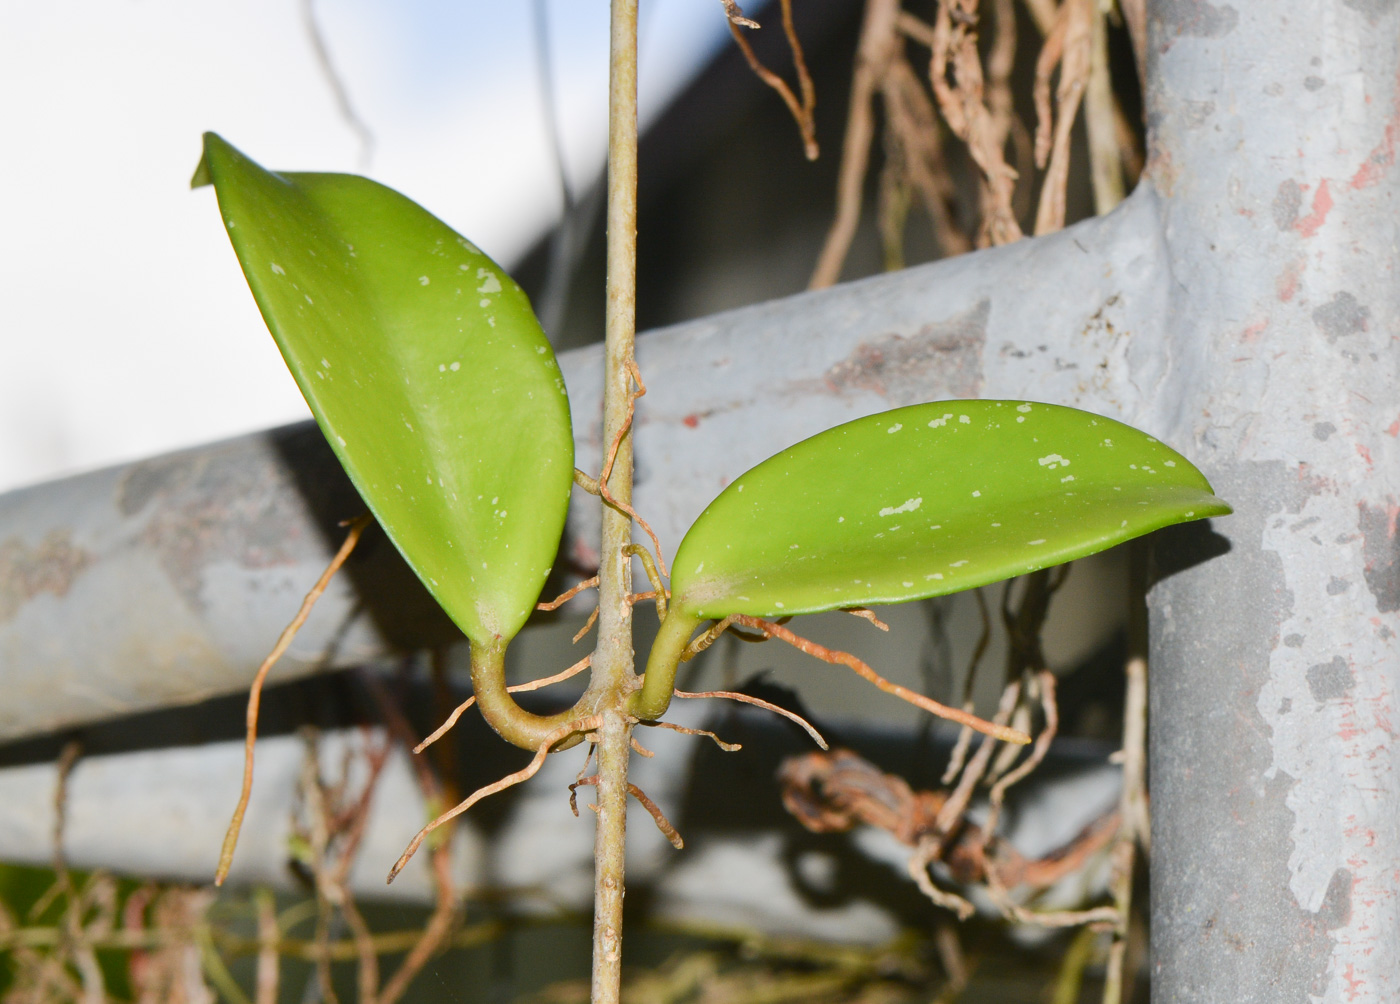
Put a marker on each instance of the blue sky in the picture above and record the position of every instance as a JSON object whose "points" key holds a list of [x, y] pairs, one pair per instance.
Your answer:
{"points": [[127, 328]]}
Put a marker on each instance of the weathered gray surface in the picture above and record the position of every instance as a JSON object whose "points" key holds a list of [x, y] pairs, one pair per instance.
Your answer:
{"points": [[1275, 666]]}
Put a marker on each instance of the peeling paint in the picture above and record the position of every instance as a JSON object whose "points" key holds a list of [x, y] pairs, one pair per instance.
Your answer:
{"points": [[27, 572], [1382, 552], [943, 359]]}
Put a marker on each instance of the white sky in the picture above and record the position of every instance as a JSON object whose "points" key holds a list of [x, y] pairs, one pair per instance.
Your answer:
{"points": [[126, 328]]}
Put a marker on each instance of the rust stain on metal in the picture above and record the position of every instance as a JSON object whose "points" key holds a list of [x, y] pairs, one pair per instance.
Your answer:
{"points": [[28, 572], [943, 359]]}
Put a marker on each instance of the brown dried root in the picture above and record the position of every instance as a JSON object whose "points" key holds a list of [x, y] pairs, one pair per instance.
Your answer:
{"points": [[866, 614], [586, 724], [861, 669], [543, 681], [352, 537], [757, 702], [912, 134], [978, 114], [1069, 45], [833, 792], [662, 823], [801, 111]]}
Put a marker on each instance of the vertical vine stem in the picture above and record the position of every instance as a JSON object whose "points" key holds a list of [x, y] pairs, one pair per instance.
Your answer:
{"points": [[613, 673]]}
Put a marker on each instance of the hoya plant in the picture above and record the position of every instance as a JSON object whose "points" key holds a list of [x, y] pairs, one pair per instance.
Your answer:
{"points": [[438, 391]]}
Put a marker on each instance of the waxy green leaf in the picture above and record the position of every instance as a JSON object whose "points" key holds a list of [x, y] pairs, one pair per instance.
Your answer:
{"points": [[426, 369], [928, 500]]}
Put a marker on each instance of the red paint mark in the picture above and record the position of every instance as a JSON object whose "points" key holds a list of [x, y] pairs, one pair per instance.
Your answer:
{"points": [[1382, 158], [1251, 333], [691, 421], [1321, 206], [1394, 429], [1287, 284], [1354, 984], [1365, 454]]}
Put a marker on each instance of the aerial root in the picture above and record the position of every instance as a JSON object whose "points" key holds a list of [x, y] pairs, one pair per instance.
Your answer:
{"points": [[801, 111], [545, 681], [352, 537], [662, 823], [756, 702], [686, 730], [705, 640], [602, 482], [865, 613], [587, 625], [567, 595], [587, 724], [775, 630]]}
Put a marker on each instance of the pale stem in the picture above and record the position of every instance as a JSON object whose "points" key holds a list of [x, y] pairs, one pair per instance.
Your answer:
{"points": [[613, 672]]}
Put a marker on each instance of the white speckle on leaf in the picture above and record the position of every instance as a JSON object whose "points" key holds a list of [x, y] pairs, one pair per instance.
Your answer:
{"points": [[1038, 540], [996, 524], [964, 420], [908, 585], [489, 284], [1067, 477], [326, 362], [909, 506], [494, 499], [409, 424], [422, 280], [895, 428], [934, 575], [1020, 418], [840, 519], [699, 568], [977, 495], [738, 488], [1123, 524], [940, 421], [958, 564], [485, 301], [455, 366], [1023, 407], [429, 479], [1169, 463], [341, 440], [309, 300], [1053, 460], [539, 350], [442, 367], [778, 605], [1191, 513], [278, 269]]}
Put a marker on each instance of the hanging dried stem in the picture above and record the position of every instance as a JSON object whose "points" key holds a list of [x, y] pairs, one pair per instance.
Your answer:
{"points": [[801, 110], [585, 725], [1100, 121], [1046, 682], [757, 702], [965, 107], [352, 537], [877, 39], [864, 671], [1070, 47], [517, 688], [959, 755]]}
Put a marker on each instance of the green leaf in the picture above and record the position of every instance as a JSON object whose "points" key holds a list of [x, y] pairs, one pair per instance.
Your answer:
{"points": [[426, 370], [927, 500]]}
